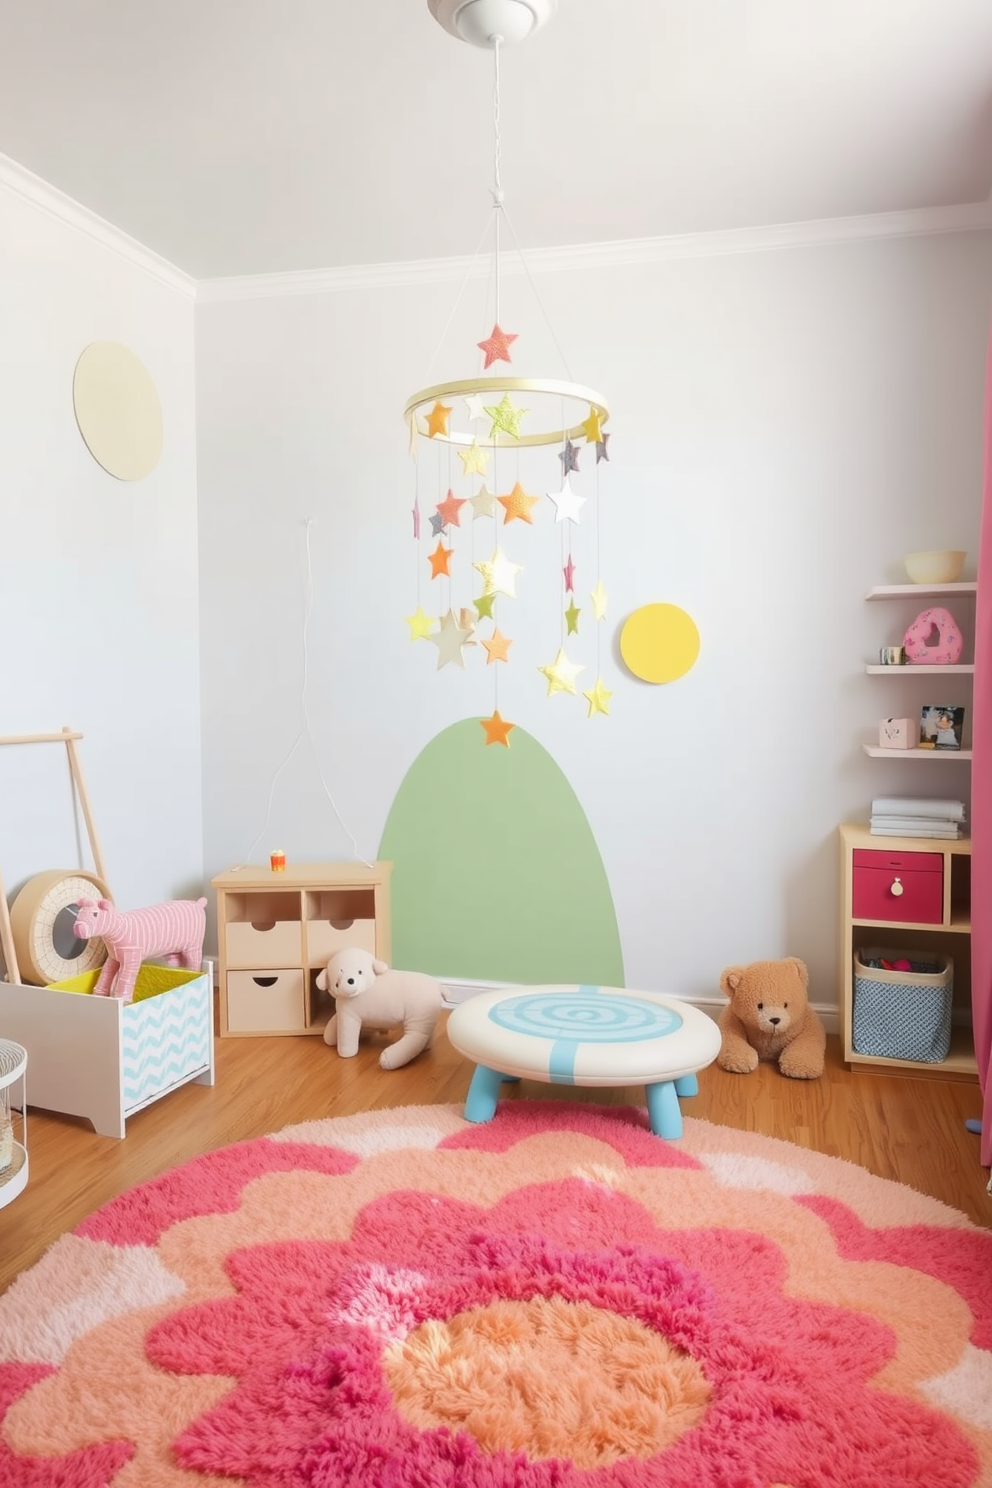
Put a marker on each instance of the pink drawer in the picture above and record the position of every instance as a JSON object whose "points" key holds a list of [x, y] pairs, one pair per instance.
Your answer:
{"points": [[903, 887]]}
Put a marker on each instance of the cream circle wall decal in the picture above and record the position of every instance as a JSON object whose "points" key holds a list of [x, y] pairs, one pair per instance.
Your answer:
{"points": [[41, 920], [659, 643], [117, 410]]}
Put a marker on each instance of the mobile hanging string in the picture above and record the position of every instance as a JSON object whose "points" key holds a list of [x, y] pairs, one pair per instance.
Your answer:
{"points": [[497, 185]]}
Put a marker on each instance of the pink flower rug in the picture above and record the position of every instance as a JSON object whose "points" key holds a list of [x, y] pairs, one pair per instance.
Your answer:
{"points": [[557, 1299]]}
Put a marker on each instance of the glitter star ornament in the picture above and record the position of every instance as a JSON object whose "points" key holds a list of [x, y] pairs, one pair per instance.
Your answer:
{"points": [[483, 503], [569, 458], [593, 426], [561, 673], [449, 639], [497, 346], [439, 560], [600, 599], [497, 729], [567, 503], [572, 618], [499, 575], [450, 507], [474, 459], [598, 698], [420, 624], [518, 505], [497, 647], [506, 418], [437, 420]]}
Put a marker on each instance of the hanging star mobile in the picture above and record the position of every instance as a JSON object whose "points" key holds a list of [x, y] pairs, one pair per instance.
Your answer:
{"points": [[498, 422]]}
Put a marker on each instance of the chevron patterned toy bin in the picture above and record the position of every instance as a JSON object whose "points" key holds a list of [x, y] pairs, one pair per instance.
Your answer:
{"points": [[105, 1059], [903, 1014]]}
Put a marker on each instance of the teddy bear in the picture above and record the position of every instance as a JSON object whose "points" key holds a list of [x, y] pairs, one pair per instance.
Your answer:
{"points": [[368, 994], [769, 1017]]}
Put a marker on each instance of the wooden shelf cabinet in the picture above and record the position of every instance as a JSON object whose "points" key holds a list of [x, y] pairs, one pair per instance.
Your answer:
{"points": [[951, 936], [276, 932]]}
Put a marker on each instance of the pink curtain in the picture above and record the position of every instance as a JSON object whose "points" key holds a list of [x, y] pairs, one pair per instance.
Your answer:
{"points": [[981, 796]]}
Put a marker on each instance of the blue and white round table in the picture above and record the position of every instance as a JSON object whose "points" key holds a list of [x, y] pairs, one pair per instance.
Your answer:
{"points": [[585, 1035]]}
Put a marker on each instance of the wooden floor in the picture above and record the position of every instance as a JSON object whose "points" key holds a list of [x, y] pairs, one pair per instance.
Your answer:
{"points": [[909, 1130]]}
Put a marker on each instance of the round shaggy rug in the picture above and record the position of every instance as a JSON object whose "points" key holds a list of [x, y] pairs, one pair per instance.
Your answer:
{"points": [[557, 1299]]}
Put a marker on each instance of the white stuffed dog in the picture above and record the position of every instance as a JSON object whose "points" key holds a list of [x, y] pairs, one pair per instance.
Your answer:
{"points": [[368, 995]]}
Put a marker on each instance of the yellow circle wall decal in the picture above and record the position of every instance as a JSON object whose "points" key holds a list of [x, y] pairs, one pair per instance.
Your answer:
{"points": [[117, 410], [659, 643]]}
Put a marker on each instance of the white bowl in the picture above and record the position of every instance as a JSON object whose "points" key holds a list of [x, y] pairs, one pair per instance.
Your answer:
{"points": [[938, 567]]}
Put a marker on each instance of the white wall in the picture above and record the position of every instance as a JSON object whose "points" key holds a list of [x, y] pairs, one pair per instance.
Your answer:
{"points": [[99, 620], [785, 426]]}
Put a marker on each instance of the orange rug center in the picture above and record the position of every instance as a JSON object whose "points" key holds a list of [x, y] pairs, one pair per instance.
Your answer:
{"points": [[549, 1378]]}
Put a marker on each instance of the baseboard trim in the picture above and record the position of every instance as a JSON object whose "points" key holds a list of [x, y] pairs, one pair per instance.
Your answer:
{"points": [[457, 990]]}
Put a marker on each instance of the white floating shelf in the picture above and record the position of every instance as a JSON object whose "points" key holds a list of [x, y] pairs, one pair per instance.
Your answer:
{"points": [[877, 752], [958, 669], [921, 591]]}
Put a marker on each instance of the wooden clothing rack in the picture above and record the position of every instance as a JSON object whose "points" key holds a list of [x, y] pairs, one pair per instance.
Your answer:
{"points": [[70, 738]]}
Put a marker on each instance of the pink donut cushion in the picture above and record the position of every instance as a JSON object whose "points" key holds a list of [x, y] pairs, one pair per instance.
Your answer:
{"points": [[918, 639]]}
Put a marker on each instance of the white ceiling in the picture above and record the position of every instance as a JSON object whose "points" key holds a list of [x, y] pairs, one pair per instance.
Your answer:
{"points": [[255, 136]]}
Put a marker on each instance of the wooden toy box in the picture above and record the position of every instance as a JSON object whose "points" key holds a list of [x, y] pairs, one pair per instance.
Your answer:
{"points": [[104, 1059]]}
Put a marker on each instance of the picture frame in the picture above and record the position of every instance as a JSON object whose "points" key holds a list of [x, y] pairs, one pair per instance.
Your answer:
{"points": [[941, 727]]}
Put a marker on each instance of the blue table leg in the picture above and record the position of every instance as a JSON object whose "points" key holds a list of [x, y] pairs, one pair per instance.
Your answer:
{"points": [[663, 1109], [687, 1085], [480, 1103]]}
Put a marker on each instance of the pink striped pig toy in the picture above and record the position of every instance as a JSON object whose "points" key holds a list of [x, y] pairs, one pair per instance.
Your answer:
{"points": [[174, 931]]}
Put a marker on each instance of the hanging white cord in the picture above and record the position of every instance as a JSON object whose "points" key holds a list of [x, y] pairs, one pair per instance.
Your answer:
{"points": [[305, 729], [537, 297], [497, 144]]}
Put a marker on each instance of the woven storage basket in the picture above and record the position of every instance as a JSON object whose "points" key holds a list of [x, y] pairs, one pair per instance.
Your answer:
{"points": [[10, 1057], [903, 1014]]}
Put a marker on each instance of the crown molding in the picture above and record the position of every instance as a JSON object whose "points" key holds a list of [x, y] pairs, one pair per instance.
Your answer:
{"points": [[971, 217], [22, 183]]}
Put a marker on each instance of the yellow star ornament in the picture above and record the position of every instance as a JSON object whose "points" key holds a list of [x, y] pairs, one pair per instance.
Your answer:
{"points": [[497, 729], [437, 420], [499, 575], [420, 624], [474, 459], [600, 599], [599, 698], [593, 425], [506, 418], [561, 674]]}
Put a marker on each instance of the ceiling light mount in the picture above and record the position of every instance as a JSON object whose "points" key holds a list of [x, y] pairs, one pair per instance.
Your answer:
{"points": [[481, 22]]}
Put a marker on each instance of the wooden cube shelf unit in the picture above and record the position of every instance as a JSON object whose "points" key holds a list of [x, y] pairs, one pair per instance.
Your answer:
{"points": [[914, 924], [276, 932]]}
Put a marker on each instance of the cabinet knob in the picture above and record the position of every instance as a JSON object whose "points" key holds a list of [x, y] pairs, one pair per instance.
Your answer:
{"points": [[896, 887]]}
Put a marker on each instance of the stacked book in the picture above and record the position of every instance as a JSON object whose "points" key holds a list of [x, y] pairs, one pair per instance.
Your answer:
{"points": [[907, 816]]}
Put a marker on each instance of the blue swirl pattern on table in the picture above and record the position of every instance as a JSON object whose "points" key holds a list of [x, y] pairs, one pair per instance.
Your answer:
{"points": [[571, 1019]]}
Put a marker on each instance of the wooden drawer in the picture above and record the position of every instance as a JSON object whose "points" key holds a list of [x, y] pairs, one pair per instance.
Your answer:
{"points": [[264, 942], [906, 888], [265, 1001], [324, 937]]}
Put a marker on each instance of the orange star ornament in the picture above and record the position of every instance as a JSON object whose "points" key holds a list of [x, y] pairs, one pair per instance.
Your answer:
{"points": [[497, 346], [518, 504], [437, 420], [439, 560], [497, 647], [449, 509], [497, 729]]}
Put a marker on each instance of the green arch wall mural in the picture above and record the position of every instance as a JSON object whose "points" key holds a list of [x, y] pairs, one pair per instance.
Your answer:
{"points": [[496, 874]]}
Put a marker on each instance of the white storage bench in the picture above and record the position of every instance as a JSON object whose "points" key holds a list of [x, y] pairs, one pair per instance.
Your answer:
{"points": [[105, 1059]]}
